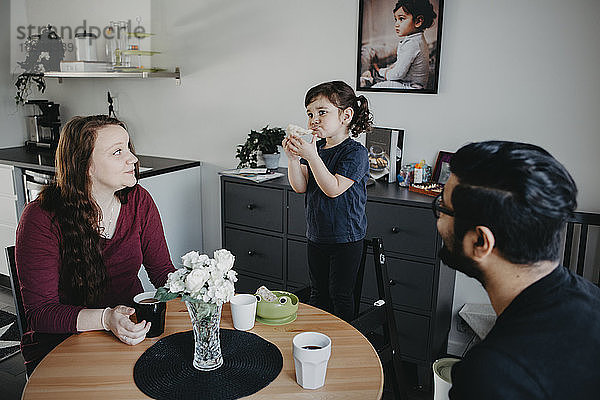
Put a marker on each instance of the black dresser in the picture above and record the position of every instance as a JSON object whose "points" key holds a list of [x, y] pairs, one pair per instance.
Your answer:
{"points": [[263, 225]]}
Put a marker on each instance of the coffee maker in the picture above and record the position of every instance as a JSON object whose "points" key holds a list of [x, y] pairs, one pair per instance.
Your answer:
{"points": [[43, 124]]}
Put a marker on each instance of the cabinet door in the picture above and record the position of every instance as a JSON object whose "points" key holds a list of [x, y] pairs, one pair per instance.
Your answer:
{"points": [[254, 252], [254, 206], [412, 282], [8, 206], [7, 186], [404, 229], [7, 238], [8, 211], [297, 273], [296, 215]]}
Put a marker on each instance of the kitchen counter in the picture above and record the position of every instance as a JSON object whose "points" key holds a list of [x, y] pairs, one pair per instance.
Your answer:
{"points": [[44, 161]]}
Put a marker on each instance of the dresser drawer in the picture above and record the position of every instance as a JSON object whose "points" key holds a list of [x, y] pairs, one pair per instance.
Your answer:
{"points": [[412, 282], [249, 284], [404, 229], [412, 330], [254, 206], [297, 264], [260, 254], [413, 334], [296, 215]]}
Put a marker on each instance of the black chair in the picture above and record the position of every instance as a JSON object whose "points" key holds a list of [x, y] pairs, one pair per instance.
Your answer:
{"points": [[381, 314], [16, 290], [582, 220]]}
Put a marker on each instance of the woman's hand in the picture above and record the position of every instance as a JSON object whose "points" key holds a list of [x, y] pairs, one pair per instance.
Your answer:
{"points": [[117, 320], [301, 148]]}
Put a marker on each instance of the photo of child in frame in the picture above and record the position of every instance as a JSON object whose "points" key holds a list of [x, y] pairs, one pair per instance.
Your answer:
{"points": [[399, 45]]}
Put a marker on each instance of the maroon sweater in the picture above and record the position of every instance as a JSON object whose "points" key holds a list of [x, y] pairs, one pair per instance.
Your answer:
{"points": [[138, 239]]}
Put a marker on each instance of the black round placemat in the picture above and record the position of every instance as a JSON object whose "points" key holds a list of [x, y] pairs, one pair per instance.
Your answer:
{"points": [[165, 370]]}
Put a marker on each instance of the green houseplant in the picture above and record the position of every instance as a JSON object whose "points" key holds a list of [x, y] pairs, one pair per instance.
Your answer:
{"points": [[266, 141]]}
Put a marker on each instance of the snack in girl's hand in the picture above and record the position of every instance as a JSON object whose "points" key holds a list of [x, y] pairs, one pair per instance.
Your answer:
{"points": [[295, 130]]}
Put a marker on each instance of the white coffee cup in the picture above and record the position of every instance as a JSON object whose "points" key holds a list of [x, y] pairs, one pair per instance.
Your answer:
{"points": [[243, 311], [442, 381], [311, 353]]}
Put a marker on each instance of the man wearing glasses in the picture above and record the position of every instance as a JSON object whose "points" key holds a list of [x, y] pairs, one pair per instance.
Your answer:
{"points": [[501, 216]]}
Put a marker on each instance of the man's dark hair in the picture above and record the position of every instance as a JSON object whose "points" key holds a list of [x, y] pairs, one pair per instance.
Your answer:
{"points": [[416, 8], [519, 191]]}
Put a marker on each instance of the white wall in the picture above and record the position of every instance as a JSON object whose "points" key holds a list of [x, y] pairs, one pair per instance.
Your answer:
{"points": [[11, 119], [515, 70]]}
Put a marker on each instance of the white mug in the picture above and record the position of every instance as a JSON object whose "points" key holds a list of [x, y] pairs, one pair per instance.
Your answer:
{"points": [[243, 311], [311, 353], [442, 381]]}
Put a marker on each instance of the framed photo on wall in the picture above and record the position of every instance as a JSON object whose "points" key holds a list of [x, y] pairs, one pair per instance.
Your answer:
{"points": [[399, 45]]}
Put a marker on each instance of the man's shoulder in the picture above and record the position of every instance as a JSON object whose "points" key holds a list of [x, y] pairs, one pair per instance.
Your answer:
{"points": [[492, 373]]}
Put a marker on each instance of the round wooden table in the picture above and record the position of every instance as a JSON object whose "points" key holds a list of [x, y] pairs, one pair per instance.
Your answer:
{"points": [[97, 365]]}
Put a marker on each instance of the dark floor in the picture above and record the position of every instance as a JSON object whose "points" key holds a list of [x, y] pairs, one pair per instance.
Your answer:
{"points": [[12, 370]]}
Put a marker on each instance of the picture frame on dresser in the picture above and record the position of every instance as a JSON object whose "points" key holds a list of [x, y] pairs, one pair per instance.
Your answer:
{"points": [[385, 147], [441, 171], [393, 60]]}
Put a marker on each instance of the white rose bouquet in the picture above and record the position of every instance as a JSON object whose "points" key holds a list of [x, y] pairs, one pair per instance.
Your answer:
{"points": [[201, 279]]}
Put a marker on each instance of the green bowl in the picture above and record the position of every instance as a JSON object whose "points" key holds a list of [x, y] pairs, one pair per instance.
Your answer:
{"points": [[285, 306]]}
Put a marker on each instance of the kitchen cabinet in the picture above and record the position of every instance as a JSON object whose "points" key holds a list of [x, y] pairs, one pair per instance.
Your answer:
{"points": [[264, 227], [8, 216]]}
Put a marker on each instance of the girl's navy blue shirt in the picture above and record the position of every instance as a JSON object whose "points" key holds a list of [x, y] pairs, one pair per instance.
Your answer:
{"points": [[340, 219]]}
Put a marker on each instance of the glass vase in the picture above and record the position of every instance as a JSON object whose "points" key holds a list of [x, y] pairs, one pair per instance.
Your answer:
{"points": [[207, 344]]}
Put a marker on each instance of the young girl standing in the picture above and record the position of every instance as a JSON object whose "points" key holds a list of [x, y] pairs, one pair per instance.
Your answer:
{"points": [[333, 171]]}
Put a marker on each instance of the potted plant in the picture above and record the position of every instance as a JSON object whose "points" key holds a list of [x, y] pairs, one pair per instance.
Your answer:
{"points": [[44, 51], [265, 141]]}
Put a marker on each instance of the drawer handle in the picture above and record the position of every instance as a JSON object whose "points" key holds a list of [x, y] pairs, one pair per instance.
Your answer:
{"points": [[392, 282], [250, 206], [251, 253], [395, 229]]}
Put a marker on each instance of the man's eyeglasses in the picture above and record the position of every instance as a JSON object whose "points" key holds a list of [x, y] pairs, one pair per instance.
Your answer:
{"points": [[437, 207]]}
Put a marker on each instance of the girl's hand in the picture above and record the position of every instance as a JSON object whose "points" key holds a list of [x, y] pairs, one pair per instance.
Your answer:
{"points": [[117, 320], [288, 151], [306, 150]]}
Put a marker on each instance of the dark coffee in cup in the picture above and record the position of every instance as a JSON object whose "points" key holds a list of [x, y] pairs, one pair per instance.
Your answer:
{"points": [[147, 308]]}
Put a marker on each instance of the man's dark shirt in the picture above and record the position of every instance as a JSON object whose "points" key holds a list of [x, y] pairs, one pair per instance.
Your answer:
{"points": [[545, 345]]}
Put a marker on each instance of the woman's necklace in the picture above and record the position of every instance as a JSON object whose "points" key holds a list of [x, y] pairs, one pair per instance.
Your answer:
{"points": [[107, 233]]}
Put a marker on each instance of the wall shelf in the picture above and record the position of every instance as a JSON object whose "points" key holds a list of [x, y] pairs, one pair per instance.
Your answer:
{"points": [[143, 74]]}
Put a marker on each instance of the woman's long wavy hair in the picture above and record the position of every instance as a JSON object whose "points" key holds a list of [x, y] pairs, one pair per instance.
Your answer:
{"points": [[83, 279]]}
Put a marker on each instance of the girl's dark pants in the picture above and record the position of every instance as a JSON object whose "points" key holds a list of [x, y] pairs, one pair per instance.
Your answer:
{"points": [[333, 268]]}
